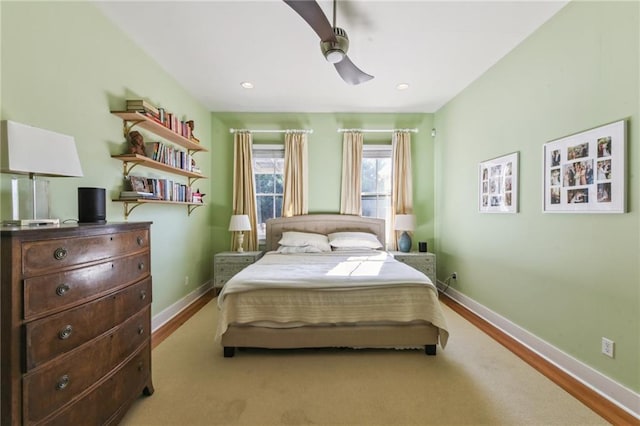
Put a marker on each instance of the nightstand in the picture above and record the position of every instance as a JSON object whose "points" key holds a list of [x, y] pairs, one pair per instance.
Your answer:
{"points": [[423, 262], [229, 263]]}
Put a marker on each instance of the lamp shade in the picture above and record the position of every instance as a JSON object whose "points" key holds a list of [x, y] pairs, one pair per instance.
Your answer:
{"points": [[239, 222], [405, 222], [31, 150]]}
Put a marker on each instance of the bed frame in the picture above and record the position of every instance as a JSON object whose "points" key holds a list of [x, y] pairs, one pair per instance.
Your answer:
{"points": [[401, 335]]}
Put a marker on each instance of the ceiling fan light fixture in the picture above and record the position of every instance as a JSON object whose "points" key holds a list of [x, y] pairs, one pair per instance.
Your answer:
{"points": [[334, 56], [335, 51], [334, 42]]}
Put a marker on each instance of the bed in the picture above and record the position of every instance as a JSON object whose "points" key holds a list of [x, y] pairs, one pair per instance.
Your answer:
{"points": [[348, 297]]}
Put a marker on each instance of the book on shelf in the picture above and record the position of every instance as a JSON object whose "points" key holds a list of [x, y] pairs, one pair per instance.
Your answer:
{"points": [[152, 149], [137, 104], [169, 155], [136, 194]]}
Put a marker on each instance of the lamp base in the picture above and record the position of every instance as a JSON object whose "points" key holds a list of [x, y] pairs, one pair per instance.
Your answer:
{"points": [[240, 241], [31, 222], [404, 243]]}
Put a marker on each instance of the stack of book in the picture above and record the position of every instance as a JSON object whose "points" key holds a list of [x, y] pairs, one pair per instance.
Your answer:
{"points": [[159, 115], [133, 195], [146, 108]]}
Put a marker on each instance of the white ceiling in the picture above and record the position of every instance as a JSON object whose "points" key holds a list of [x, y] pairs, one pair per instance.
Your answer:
{"points": [[438, 48]]}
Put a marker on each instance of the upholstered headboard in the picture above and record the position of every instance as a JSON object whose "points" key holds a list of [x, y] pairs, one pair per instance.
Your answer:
{"points": [[322, 224]]}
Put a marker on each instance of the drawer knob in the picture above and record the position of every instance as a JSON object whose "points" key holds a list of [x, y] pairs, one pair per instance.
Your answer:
{"points": [[63, 382], [143, 294], [140, 329], [140, 241], [60, 253], [141, 266], [65, 333], [62, 289]]}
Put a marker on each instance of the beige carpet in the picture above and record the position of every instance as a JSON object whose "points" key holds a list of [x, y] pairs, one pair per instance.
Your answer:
{"points": [[474, 381]]}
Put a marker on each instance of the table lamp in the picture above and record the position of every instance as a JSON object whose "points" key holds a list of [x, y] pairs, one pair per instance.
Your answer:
{"points": [[239, 223], [405, 222], [32, 151]]}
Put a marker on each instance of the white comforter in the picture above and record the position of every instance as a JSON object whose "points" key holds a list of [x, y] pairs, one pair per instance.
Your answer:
{"points": [[329, 271], [331, 288]]}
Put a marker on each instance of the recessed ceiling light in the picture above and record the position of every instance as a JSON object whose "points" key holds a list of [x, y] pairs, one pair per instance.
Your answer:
{"points": [[247, 85], [402, 86]]}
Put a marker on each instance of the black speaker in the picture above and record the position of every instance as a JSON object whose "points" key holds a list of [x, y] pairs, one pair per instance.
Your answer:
{"points": [[422, 246], [92, 205]]}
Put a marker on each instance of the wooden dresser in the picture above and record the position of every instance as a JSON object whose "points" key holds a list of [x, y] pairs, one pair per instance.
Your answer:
{"points": [[75, 323]]}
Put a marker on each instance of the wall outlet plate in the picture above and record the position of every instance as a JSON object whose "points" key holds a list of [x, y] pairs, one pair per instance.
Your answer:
{"points": [[608, 347]]}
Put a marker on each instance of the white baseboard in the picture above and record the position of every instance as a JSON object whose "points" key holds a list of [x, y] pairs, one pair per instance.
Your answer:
{"points": [[620, 395], [167, 314]]}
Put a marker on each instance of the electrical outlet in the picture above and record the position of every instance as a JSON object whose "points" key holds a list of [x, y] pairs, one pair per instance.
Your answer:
{"points": [[454, 276], [608, 347], [186, 280]]}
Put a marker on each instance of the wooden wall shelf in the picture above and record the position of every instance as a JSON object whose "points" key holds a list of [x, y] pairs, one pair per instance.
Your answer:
{"points": [[132, 119], [131, 160], [130, 204]]}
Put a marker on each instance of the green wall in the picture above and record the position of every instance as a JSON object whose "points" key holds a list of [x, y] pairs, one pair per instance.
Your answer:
{"points": [[64, 67], [570, 279], [325, 159]]}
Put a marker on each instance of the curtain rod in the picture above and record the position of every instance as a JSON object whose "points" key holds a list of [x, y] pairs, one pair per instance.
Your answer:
{"points": [[272, 131], [377, 130]]}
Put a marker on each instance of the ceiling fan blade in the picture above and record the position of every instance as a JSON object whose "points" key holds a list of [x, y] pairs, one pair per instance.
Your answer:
{"points": [[350, 72], [310, 11]]}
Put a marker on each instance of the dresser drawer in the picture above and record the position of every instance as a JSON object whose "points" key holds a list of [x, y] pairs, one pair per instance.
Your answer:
{"points": [[57, 383], [228, 270], [54, 335], [422, 266], [49, 293], [417, 262], [103, 404], [243, 260], [42, 256]]}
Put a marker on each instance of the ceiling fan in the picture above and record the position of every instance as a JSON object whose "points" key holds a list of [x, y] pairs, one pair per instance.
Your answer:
{"points": [[334, 42]]}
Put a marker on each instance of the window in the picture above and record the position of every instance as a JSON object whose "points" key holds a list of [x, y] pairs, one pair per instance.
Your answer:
{"points": [[268, 171], [376, 183]]}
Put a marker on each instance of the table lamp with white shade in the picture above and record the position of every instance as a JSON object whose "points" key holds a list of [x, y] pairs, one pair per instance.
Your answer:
{"points": [[404, 223], [35, 152], [238, 224]]}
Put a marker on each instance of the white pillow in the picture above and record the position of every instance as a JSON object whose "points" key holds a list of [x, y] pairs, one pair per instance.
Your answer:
{"points": [[298, 249], [300, 239], [354, 240]]}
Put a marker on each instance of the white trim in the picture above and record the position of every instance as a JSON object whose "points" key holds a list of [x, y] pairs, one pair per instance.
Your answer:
{"points": [[618, 394], [268, 146], [170, 312], [377, 150]]}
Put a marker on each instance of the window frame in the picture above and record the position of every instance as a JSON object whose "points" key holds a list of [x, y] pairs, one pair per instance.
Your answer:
{"points": [[379, 151], [262, 151]]}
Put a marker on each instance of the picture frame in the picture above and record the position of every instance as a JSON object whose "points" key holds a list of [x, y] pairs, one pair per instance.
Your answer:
{"points": [[138, 184], [498, 189], [586, 172]]}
